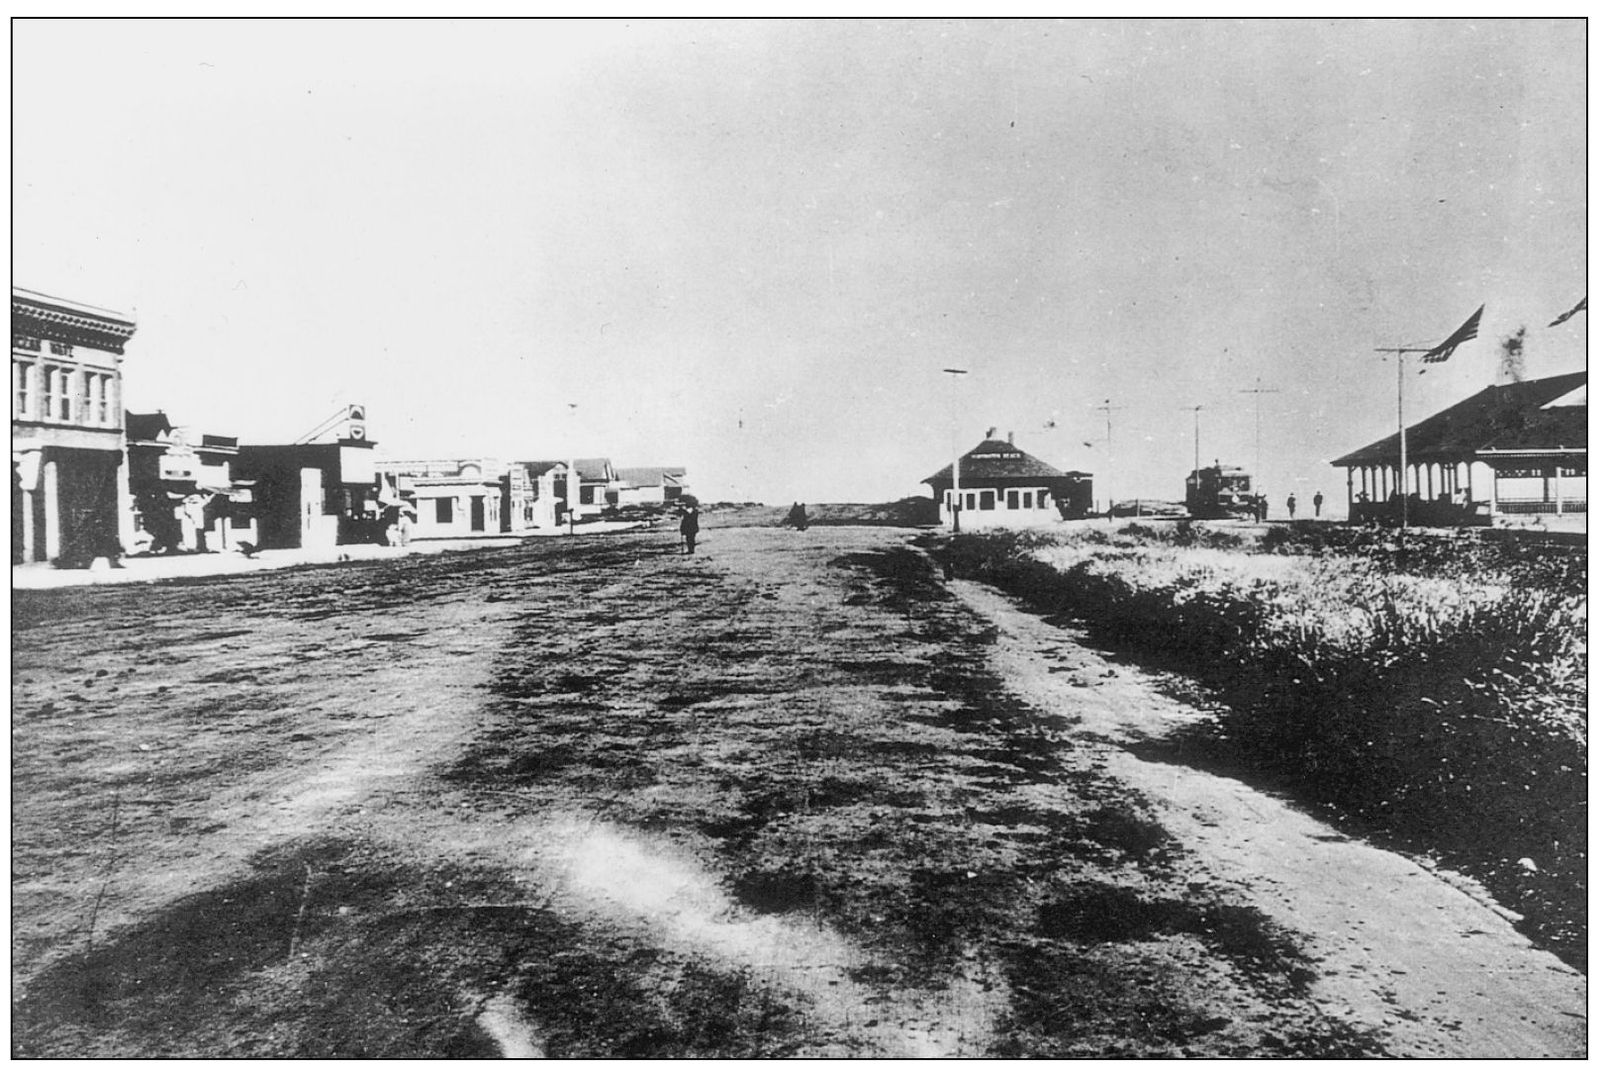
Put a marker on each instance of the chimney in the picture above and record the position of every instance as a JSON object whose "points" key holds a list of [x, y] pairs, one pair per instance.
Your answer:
{"points": [[1010, 437]]}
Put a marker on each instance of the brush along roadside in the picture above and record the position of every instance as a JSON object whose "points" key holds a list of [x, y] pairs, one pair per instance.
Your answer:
{"points": [[1426, 701]]}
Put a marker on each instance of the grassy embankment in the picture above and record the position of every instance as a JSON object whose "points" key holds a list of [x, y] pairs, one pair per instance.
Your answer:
{"points": [[1431, 693]]}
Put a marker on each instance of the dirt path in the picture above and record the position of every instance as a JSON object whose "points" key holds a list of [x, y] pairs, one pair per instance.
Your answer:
{"points": [[594, 799], [1423, 956]]}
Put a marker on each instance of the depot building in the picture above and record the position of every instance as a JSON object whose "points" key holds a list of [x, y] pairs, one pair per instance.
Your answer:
{"points": [[1002, 486]]}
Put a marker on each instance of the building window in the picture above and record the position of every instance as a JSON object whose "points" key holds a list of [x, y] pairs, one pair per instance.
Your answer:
{"points": [[61, 349], [22, 389], [106, 415], [86, 398], [443, 511], [240, 521], [1043, 500], [64, 394], [987, 500], [1012, 500], [47, 391], [970, 500], [25, 342]]}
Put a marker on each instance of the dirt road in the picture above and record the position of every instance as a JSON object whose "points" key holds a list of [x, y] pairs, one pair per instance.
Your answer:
{"points": [[794, 796]]}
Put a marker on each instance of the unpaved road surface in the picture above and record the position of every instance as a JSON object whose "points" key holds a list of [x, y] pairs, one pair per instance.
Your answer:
{"points": [[590, 798]]}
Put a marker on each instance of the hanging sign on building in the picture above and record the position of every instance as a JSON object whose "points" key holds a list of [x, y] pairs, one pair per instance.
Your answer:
{"points": [[357, 421]]}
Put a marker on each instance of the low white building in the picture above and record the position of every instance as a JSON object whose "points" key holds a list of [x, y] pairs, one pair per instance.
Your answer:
{"points": [[550, 486], [647, 485], [454, 497], [1002, 486]]}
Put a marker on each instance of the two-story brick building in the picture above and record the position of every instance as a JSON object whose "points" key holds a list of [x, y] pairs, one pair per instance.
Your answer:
{"points": [[69, 488]]}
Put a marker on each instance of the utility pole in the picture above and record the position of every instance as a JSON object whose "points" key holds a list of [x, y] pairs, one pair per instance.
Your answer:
{"points": [[1258, 391], [572, 491], [954, 442], [1400, 353], [1196, 410], [1431, 355], [1110, 464], [1197, 481]]}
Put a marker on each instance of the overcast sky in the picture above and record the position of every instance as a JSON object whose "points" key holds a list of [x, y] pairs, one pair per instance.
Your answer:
{"points": [[752, 248]]}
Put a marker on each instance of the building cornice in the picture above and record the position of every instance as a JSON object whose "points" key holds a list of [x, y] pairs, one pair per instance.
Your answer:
{"points": [[64, 321], [66, 435]]}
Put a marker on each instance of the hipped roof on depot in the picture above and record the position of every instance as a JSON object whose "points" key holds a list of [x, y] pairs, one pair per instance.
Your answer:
{"points": [[997, 459]]}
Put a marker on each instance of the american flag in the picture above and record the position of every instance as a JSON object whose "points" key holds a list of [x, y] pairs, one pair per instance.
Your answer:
{"points": [[1458, 337], [1576, 309]]}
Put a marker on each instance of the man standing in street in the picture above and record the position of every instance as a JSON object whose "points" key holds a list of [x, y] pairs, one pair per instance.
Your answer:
{"points": [[1291, 505], [689, 529], [1316, 503]]}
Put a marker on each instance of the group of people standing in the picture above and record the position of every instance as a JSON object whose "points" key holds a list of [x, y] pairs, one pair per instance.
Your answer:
{"points": [[1316, 505]]}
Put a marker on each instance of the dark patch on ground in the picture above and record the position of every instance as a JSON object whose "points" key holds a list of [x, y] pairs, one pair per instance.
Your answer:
{"points": [[389, 962], [902, 577], [1120, 831], [777, 891], [883, 672], [245, 674], [1100, 913], [1072, 1002]]}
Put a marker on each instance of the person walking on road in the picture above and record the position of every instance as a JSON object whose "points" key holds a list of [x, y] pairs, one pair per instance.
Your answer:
{"points": [[1291, 505], [1316, 504], [689, 529]]}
